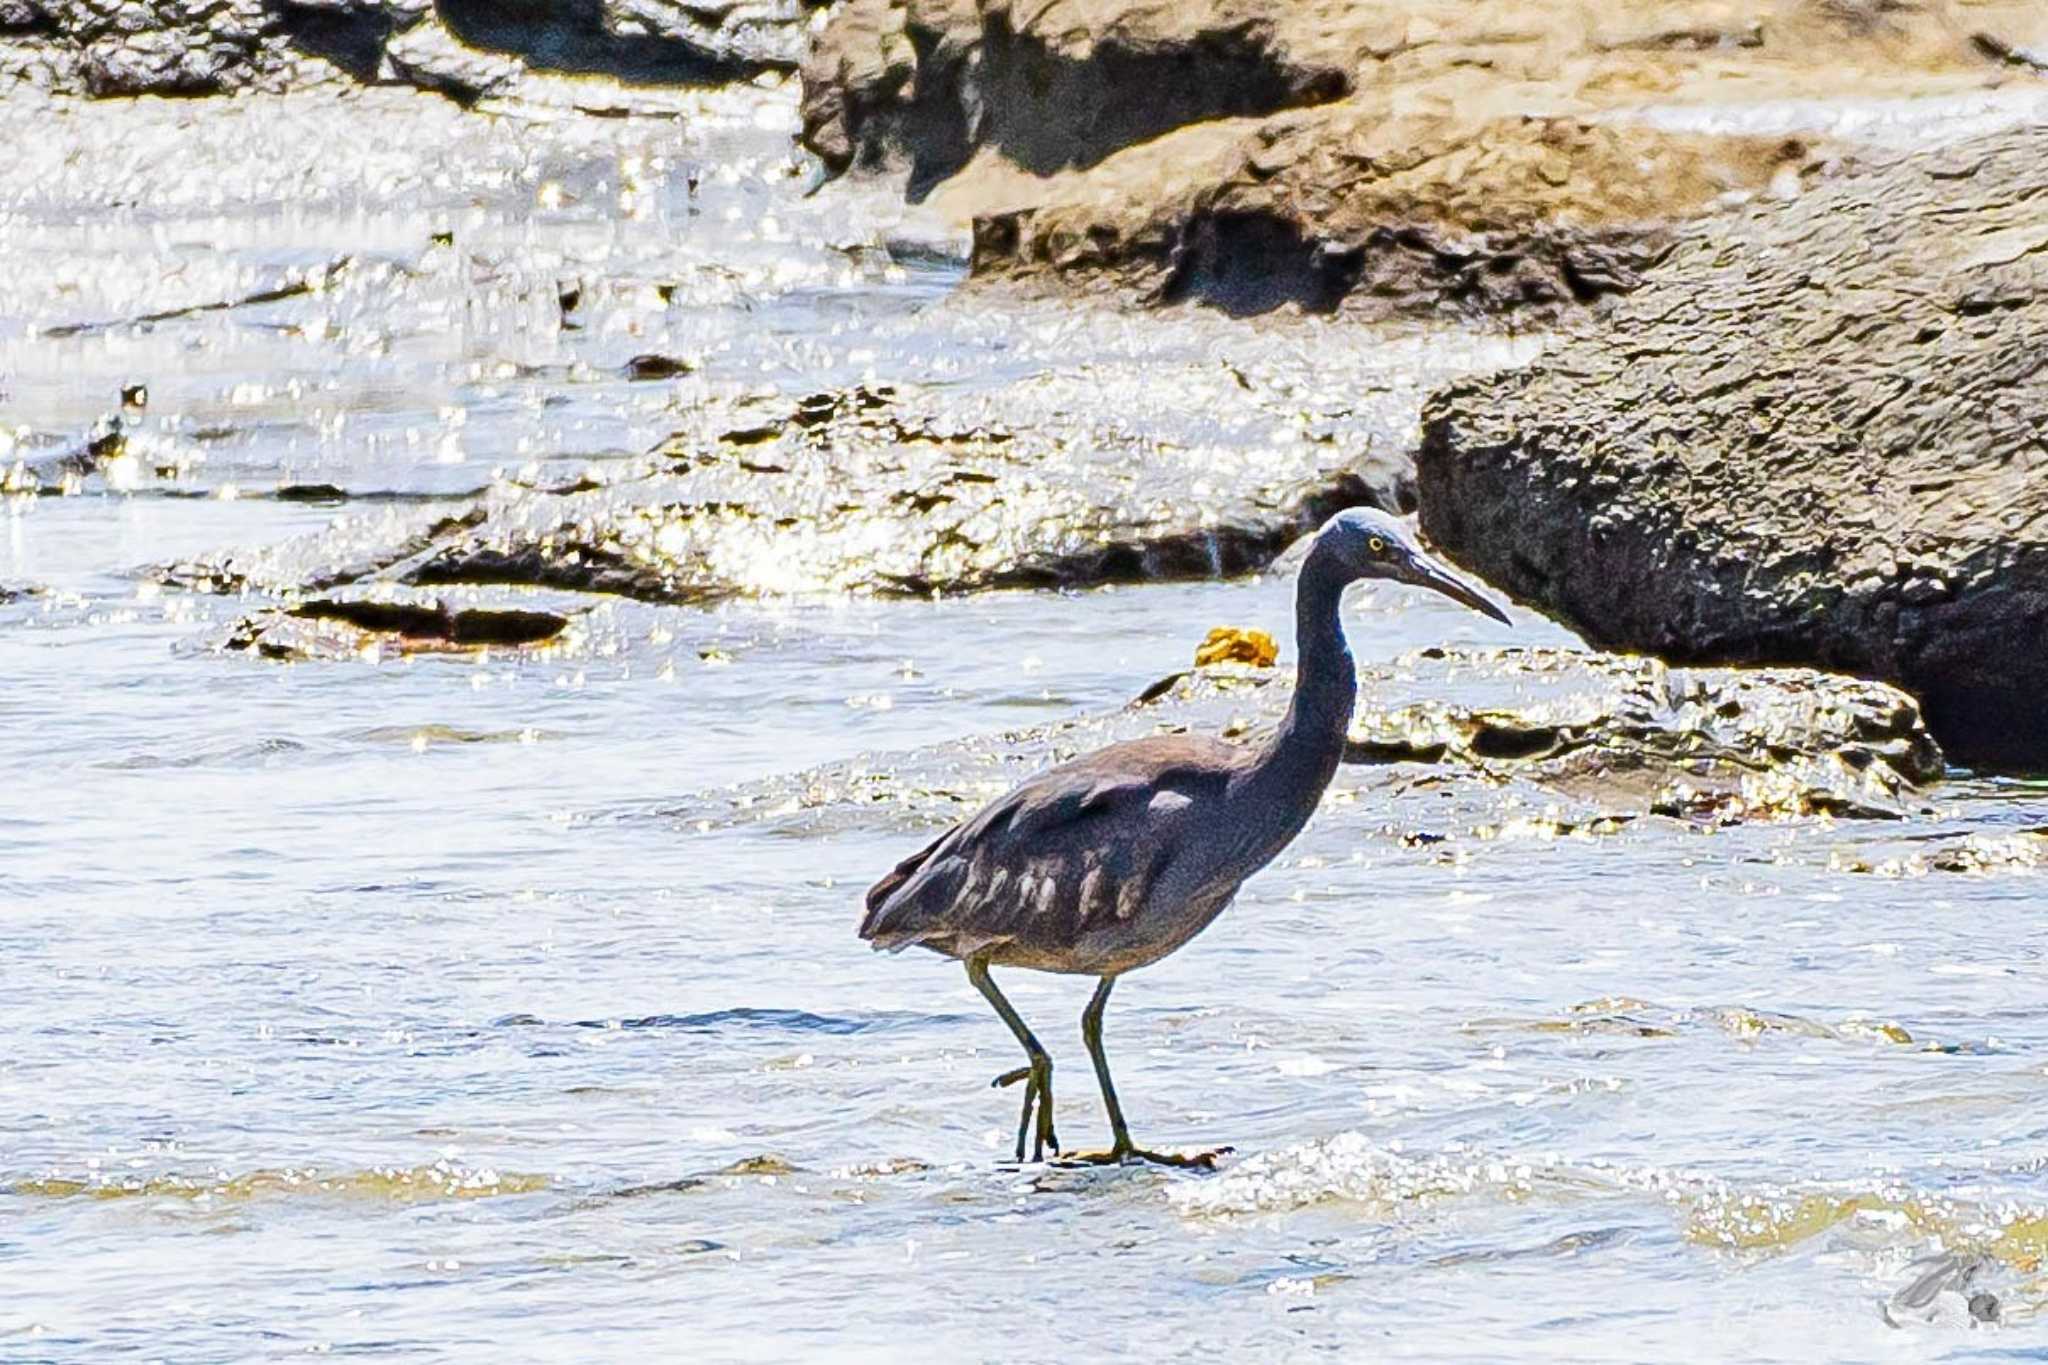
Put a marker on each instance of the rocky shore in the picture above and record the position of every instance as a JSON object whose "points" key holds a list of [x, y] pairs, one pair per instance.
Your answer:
{"points": [[1796, 249], [1785, 261], [1378, 158]]}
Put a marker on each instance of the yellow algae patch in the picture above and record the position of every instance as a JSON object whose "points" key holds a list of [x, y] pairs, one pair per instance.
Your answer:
{"points": [[378, 1184], [1231, 645], [1763, 1223], [2023, 1242], [1883, 1029], [1771, 1223]]}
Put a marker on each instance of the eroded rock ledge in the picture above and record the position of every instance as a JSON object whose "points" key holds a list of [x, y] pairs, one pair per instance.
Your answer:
{"points": [[1384, 156], [1551, 743], [1821, 436], [873, 490]]}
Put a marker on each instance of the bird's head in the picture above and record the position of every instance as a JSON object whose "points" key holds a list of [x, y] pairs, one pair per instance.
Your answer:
{"points": [[1363, 542]]}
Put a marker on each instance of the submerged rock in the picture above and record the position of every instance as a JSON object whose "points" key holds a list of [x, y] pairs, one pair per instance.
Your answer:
{"points": [[1548, 744], [1976, 853], [1387, 158], [867, 490], [345, 628], [1818, 438]]}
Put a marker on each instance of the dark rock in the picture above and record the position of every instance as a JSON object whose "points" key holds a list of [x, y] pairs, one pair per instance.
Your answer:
{"points": [[645, 42], [26, 16], [161, 47], [647, 367], [310, 492], [1817, 438], [337, 628], [351, 34]]}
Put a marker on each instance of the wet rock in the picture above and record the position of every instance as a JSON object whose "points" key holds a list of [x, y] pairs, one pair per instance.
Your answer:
{"points": [[176, 48], [311, 492], [870, 490], [345, 628], [352, 549], [131, 48], [429, 56], [647, 367], [1601, 745], [1689, 743], [1385, 158], [766, 36], [467, 49], [1816, 439], [1630, 1018], [1975, 853]]}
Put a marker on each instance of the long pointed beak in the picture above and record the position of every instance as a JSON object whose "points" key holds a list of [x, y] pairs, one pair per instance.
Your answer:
{"points": [[1431, 573]]}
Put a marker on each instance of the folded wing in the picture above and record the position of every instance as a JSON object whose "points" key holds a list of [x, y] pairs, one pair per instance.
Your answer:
{"points": [[1068, 851]]}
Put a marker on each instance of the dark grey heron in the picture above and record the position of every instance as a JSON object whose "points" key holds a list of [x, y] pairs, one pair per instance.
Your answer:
{"points": [[1107, 863]]}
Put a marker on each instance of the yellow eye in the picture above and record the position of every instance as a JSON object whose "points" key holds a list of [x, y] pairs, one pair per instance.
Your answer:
{"points": [[1377, 545]]}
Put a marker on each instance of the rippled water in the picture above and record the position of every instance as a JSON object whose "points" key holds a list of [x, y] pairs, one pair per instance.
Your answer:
{"points": [[402, 1009]]}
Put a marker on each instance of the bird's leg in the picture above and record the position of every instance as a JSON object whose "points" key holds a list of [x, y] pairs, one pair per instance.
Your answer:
{"points": [[1037, 1076], [1091, 1034], [1121, 1148]]}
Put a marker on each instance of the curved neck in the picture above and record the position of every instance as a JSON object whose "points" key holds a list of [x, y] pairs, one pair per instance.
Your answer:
{"points": [[1303, 754]]}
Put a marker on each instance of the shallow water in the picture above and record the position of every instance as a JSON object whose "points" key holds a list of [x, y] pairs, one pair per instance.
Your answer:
{"points": [[403, 1009]]}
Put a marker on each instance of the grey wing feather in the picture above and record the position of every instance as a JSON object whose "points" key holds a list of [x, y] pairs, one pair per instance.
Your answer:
{"points": [[1067, 850]]}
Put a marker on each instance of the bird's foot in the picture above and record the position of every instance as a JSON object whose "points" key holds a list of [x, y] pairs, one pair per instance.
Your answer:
{"points": [[1038, 1095], [1132, 1156]]}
